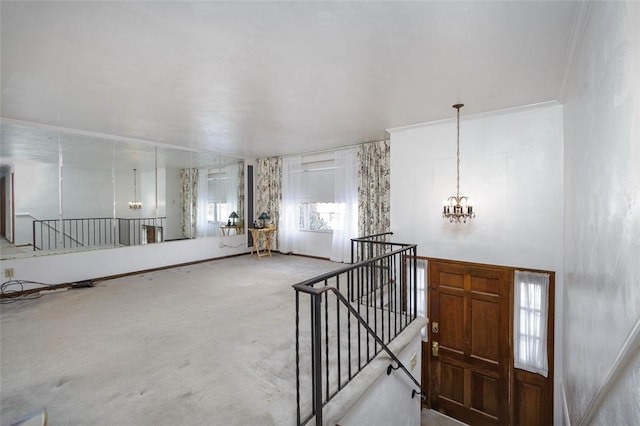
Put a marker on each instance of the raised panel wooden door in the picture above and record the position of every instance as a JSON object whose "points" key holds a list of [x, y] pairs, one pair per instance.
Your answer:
{"points": [[469, 366]]}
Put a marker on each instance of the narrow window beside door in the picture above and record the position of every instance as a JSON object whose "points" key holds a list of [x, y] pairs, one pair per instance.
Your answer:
{"points": [[531, 306], [421, 291]]}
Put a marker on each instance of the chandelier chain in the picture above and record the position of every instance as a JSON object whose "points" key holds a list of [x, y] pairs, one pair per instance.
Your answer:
{"points": [[458, 157], [458, 208]]}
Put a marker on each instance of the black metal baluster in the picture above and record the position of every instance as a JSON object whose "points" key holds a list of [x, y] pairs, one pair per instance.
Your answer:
{"points": [[397, 292], [338, 331], [374, 301], [315, 376], [298, 357], [395, 296], [326, 337], [317, 355], [382, 282], [415, 287], [349, 288], [368, 279], [405, 295], [359, 275], [389, 286]]}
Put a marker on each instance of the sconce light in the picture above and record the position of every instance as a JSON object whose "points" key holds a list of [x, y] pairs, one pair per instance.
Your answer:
{"points": [[233, 216], [458, 208], [135, 204]]}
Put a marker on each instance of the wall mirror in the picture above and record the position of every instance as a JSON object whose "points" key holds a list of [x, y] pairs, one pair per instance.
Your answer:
{"points": [[63, 192]]}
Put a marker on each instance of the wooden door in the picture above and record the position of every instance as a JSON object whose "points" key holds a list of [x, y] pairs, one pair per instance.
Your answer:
{"points": [[469, 323]]}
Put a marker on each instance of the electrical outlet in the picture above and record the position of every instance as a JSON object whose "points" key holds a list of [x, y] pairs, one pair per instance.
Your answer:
{"points": [[8, 273], [414, 360]]}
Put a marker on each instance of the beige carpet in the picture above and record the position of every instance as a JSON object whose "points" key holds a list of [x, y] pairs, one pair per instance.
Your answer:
{"points": [[10, 250], [207, 344]]}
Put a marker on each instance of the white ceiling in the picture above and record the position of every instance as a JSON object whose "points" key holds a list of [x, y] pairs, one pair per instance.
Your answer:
{"points": [[256, 79]]}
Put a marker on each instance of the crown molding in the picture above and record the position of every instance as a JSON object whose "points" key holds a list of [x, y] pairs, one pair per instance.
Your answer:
{"points": [[512, 110], [106, 137]]}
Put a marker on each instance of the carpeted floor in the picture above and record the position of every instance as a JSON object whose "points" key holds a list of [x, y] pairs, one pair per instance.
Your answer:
{"points": [[207, 344], [9, 250]]}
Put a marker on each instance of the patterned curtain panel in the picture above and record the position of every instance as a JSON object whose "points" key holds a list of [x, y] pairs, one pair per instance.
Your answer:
{"points": [[240, 207], [269, 191], [374, 200], [189, 202]]}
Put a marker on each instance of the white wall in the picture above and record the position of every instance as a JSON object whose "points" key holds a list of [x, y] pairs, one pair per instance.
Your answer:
{"points": [[312, 243], [86, 191], [388, 401], [73, 267], [602, 213], [36, 196], [511, 167]]}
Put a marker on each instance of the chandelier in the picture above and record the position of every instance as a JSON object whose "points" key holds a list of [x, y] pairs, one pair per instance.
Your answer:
{"points": [[458, 208], [135, 204]]}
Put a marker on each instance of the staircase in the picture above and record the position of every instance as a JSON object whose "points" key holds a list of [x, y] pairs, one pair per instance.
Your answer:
{"points": [[351, 326]]}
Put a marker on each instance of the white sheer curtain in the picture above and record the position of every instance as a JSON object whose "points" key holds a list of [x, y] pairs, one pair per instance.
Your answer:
{"points": [[346, 197], [421, 291], [223, 191], [531, 306], [289, 209], [203, 203], [232, 190]]}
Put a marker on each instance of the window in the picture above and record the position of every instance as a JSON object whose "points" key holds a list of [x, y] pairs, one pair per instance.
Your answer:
{"points": [[218, 212], [421, 291], [318, 216], [531, 301], [221, 193]]}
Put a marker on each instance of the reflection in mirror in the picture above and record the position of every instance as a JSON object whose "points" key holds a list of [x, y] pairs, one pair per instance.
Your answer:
{"points": [[87, 195], [64, 191], [171, 202], [212, 191], [137, 219], [30, 179]]}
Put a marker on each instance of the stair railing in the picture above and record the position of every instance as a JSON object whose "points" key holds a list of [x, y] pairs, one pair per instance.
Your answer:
{"points": [[355, 327], [55, 234], [370, 246], [51, 234]]}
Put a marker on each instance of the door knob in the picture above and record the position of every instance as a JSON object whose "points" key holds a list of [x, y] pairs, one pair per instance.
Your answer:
{"points": [[434, 328], [434, 348]]}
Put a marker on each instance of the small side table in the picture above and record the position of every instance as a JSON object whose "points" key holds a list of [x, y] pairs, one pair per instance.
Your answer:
{"points": [[261, 235], [225, 229]]}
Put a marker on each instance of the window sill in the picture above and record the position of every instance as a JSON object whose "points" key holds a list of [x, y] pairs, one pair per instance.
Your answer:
{"points": [[317, 231]]}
